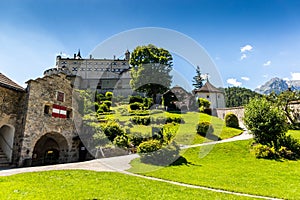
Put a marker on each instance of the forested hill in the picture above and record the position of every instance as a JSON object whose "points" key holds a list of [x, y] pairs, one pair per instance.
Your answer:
{"points": [[238, 96]]}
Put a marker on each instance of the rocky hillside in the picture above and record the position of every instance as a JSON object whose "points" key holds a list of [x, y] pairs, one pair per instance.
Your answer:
{"points": [[278, 85]]}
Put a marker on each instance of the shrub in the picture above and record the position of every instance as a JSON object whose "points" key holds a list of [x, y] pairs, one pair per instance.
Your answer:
{"points": [[112, 130], [134, 99], [290, 143], [149, 146], [103, 108], [264, 151], [266, 122], [286, 153], [164, 156], [109, 95], [174, 119], [148, 102], [136, 106], [136, 138], [231, 120], [121, 141], [108, 103], [203, 104], [141, 120], [204, 128]]}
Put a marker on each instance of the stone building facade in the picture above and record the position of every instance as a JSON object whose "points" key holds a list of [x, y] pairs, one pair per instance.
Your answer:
{"points": [[37, 124], [101, 74]]}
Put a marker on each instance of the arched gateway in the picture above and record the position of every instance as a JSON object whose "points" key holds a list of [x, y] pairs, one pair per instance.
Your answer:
{"points": [[51, 148]]}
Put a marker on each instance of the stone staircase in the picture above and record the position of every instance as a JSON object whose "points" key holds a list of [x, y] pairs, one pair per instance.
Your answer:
{"points": [[3, 160]]}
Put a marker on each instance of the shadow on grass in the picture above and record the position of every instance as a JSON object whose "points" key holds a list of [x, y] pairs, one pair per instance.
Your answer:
{"points": [[182, 161]]}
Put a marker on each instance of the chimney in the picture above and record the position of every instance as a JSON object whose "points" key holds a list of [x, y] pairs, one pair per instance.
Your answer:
{"points": [[74, 55]]}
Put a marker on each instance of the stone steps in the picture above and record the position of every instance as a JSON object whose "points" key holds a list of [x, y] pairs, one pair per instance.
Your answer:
{"points": [[3, 159]]}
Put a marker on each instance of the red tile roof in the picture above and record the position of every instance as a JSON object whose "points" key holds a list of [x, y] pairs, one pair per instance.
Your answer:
{"points": [[8, 83]]}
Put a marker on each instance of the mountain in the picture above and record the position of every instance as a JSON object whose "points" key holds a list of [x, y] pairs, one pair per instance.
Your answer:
{"points": [[278, 85]]}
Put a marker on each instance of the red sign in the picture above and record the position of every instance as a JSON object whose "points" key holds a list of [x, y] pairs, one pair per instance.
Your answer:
{"points": [[59, 111]]}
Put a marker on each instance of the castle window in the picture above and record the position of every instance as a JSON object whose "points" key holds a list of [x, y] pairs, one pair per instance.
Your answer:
{"points": [[60, 96], [46, 109], [74, 69], [207, 96]]}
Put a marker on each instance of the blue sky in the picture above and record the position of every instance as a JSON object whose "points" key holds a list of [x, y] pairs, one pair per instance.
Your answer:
{"points": [[249, 41]]}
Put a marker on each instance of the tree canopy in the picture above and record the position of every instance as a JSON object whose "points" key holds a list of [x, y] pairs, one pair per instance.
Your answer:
{"points": [[151, 67], [238, 96]]}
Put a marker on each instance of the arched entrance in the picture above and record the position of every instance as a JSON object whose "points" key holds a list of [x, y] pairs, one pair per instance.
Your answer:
{"points": [[7, 140], [51, 148]]}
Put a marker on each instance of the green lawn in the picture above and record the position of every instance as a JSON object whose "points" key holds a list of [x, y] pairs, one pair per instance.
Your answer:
{"points": [[81, 184], [186, 133], [295, 133], [231, 166]]}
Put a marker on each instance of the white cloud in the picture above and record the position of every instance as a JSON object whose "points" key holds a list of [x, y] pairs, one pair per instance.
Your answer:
{"points": [[268, 63], [245, 78], [243, 56], [246, 48], [234, 82], [295, 76]]}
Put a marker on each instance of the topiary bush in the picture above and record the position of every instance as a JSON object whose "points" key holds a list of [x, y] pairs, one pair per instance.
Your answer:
{"points": [[121, 141], [204, 128], [231, 120], [141, 120], [134, 99], [162, 157], [149, 146], [108, 103], [103, 108], [136, 106], [112, 130], [136, 138], [174, 119]]}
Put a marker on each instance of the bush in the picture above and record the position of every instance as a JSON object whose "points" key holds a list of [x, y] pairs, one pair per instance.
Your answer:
{"points": [[108, 103], [164, 156], [203, 104], [160, 120], [264, 151], [267, 122], [108, 95], [149, 146], [134, 99], [231, 120], [204, 128], [174, 119], [103, 108], [136, 106], [121, 141], [141, 120], [112, 130], [136, 138], [290, 143]]}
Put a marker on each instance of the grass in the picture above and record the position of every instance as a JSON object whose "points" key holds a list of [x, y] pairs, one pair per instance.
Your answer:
{"points": [[80, 184], [295, 133], [231, 166], [186, 133]]}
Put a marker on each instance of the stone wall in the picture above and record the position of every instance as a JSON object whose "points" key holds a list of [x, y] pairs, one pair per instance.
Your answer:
{"points": [[11, 118], [40, 123], [238, 111]]}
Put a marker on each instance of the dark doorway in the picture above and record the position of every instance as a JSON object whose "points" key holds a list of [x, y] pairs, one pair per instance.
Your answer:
{"points": [[82, 152], [49, 149]]}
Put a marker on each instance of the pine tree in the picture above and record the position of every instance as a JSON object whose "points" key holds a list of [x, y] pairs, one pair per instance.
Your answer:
{"points": [[198, 79]]}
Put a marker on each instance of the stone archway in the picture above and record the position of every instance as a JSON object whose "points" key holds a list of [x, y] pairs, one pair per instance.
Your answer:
{"points": [[7, 133], [51, 148]]}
